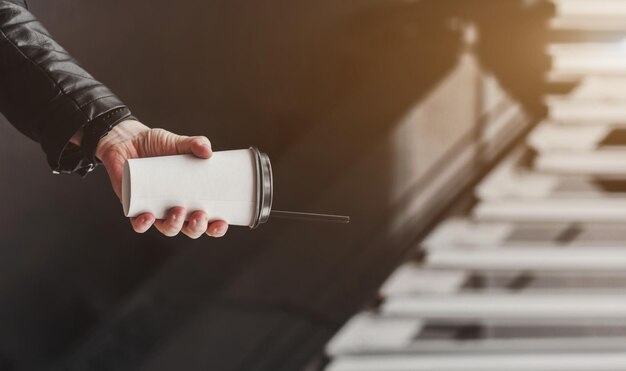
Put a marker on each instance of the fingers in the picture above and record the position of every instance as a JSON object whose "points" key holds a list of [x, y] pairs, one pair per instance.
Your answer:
{"points": [[115, 171], [201, 147], [143, 222], [198, 146], [197, 224], [217, 229], [195, 227], [174, 222], [160, 142]]}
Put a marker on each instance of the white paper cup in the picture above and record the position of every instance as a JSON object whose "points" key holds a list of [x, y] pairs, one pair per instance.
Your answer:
{"points": [[235, 186]]}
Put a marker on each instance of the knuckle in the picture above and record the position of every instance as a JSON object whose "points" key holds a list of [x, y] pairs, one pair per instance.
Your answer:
{"points": [[159, 131], [176, 217], [155, 134], [177, 210]]}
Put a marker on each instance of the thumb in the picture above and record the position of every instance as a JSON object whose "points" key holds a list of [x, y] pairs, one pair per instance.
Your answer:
{"points": [[199, 146]]}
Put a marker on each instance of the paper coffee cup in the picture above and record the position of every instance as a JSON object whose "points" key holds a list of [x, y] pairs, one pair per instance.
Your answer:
{"points": [[235, 186]]}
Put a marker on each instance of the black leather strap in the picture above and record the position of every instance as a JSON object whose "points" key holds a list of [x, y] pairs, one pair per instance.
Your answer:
{"points": [[96, 129]]}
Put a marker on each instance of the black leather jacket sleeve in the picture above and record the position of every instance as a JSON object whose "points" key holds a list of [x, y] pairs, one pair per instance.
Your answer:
{"points": [[45, 93]]}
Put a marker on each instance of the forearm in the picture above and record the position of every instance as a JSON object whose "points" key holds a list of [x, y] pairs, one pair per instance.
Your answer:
{"points": [[45, 93]]}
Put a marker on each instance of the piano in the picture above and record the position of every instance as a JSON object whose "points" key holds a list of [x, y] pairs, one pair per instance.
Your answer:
{"points": [[531, 276]]}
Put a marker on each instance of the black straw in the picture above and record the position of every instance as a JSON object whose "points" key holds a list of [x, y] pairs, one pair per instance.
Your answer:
{"points": [[310, 217]]}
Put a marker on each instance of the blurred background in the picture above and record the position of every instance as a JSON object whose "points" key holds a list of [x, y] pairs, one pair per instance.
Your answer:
{"points": [[478, 146]]}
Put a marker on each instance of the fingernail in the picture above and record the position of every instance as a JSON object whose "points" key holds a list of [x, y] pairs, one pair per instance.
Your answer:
{"points": [[220, 231]]}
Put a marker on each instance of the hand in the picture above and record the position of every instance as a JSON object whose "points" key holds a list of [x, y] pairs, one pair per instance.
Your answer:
{"points": [[132, 139]]}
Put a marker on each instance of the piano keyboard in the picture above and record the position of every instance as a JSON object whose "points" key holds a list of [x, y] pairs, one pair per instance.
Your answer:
{"points": [[533, 277]]}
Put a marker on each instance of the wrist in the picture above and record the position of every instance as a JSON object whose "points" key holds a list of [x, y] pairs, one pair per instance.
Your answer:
{"points": [[124, 131]]}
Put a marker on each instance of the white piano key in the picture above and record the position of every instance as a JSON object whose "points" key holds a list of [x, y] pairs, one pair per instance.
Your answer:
{"points": [[540, 361], [594, 15], [464, 232], [580, 59], [518, 184], [513, 179], [586, 111], [509, 179], [553, 210], [529, 259], [605, 162], [553, 137], [596, 88], [366, 331], [498, 345], [594, 23], [508, 306], [370, 333], [410, 279], [590, 8], [511, 345], [534, 281]]}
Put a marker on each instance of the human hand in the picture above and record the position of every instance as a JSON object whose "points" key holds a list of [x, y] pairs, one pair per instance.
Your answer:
{"points": [[132, 139]]}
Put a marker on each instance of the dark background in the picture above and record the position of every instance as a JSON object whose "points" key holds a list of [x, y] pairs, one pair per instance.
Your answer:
{"points": [[316, 85]]}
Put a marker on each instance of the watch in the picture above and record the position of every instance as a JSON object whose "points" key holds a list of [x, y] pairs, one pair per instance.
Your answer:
{"points": [[98, 128]]}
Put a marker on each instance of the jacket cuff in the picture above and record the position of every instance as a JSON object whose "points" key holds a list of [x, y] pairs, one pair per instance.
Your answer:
{"points": [[65, 157]]}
